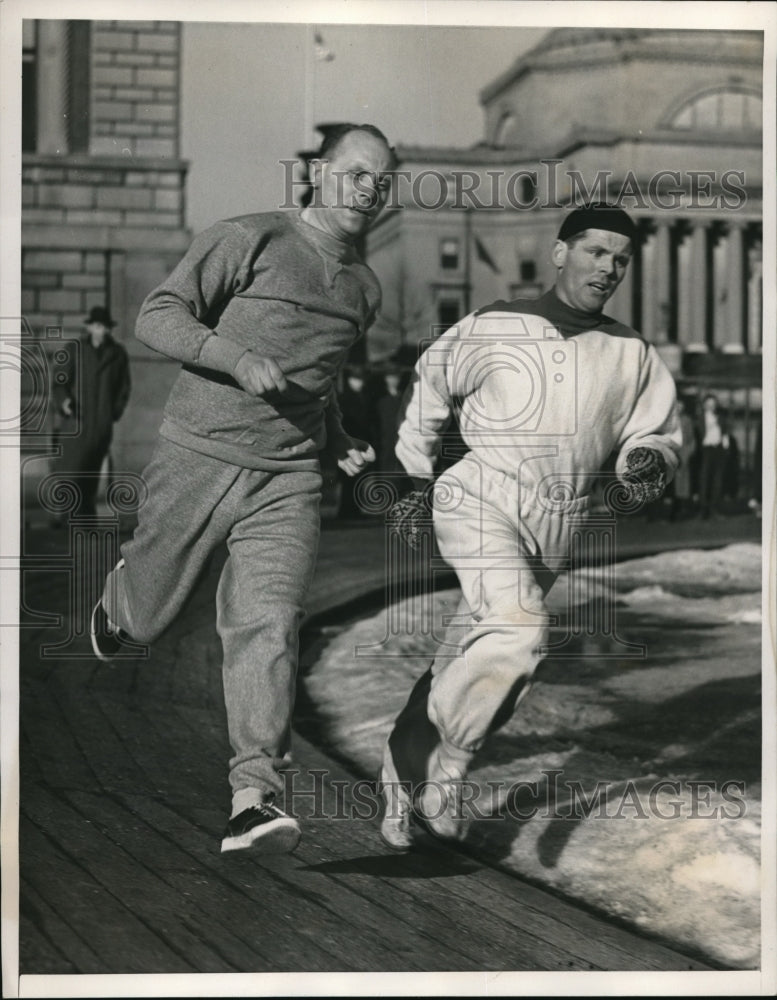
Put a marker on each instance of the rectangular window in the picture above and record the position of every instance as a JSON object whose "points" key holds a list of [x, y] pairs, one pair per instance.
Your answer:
{"points": [[78, 89], [449, 254], [75, 57], [449, 312], [29, 86], [528, 271], [525, 290]]}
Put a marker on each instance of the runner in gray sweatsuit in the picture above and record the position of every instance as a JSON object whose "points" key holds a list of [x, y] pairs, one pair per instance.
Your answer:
{"points": [[261, 312]]}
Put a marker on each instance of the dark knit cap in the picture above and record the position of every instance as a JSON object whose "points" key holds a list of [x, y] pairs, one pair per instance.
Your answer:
{"points": [[607, 217]]}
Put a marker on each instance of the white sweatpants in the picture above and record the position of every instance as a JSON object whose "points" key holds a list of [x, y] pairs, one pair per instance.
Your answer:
{"points": [[507, 548]]}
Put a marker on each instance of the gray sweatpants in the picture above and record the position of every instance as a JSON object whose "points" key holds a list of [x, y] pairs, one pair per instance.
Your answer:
{"points": [[270, 523]]}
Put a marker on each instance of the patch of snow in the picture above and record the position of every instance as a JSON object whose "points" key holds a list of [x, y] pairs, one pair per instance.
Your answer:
{"points": [[749, 616], [736, 872], [643, 595], [687, 711]]}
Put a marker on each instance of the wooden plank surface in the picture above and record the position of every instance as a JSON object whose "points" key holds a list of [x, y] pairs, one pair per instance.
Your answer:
{"points": [[124, 799], [125, 861]]}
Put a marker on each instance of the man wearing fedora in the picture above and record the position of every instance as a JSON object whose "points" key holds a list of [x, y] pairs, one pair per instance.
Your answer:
{"points": [[91, 390]]}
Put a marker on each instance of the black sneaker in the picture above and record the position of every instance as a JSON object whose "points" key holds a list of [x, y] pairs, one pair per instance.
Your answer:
{"points": [[109, 642], [266, 828]]}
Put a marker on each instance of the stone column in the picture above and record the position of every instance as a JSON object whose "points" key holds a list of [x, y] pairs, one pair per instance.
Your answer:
{"points": [[656, 304], [699, 279], [719, 279], [649, 304], [754, 297], [52, 87], [685, 332], [663, 303], [619, 306], [735, 263]]}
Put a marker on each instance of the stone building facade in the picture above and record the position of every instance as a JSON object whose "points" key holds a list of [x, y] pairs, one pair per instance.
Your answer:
{"points": [[103, 189], [667, 123]]}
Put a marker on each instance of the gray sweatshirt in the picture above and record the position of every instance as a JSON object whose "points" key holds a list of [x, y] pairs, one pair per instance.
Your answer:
{"points": [[273, 284]]}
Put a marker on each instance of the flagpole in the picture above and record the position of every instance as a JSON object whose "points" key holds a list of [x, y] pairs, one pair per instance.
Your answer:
{"points": [[310, 68], [467, 260], [315, 52]]}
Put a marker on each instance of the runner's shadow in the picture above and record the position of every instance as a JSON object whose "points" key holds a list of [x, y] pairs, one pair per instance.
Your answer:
{"points": [[415, 864], [718, 722]]}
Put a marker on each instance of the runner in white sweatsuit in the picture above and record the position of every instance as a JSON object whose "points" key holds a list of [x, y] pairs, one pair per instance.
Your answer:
{"points": [[544, 392]]}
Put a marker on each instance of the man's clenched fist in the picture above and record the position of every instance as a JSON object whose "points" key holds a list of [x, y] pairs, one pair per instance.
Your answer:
{"points": [[411, 516], [354, 456], [258, 375], [645, 474]]}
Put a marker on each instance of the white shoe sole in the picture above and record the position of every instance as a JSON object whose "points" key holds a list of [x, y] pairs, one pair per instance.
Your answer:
{"points": [[93, 635], [395, 829], [93, 630], [280, 836], [437, 817]]}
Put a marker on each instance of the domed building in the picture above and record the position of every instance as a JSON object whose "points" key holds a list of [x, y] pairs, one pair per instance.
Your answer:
{"points": [[668, 124]]}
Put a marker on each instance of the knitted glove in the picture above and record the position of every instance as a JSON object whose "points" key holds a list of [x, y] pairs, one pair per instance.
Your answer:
{"points": [[410, 516], [645, 475]]}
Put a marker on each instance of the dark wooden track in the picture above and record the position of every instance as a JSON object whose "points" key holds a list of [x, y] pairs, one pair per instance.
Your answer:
{"points": [[124, 797]]}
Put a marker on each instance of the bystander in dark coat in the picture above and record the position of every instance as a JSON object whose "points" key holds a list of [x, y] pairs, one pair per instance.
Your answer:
{"points": [[715, 442], [682, 486], [91, 390]]}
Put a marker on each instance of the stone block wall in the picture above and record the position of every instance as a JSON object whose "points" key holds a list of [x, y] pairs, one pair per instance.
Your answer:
{"points": [[104, 225], [76, 213], [135, 88]]}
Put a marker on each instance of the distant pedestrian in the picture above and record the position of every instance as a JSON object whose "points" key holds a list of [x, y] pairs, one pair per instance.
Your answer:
{"points": [[731, 463], [681, 486], [714, 446], [756, 489], [91, 390]]}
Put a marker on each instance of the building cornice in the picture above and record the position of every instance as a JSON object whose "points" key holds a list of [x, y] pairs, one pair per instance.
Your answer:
{"points": [[570, 49], [83, 161], [575, 140], [582, 137], [129, 238], [481, 154]]}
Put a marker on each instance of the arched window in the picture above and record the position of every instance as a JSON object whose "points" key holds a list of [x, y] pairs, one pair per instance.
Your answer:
{"points": [[726, 109]]}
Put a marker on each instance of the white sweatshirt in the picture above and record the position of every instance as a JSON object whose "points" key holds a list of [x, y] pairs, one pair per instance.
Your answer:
{"points": [[542, 393]]}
